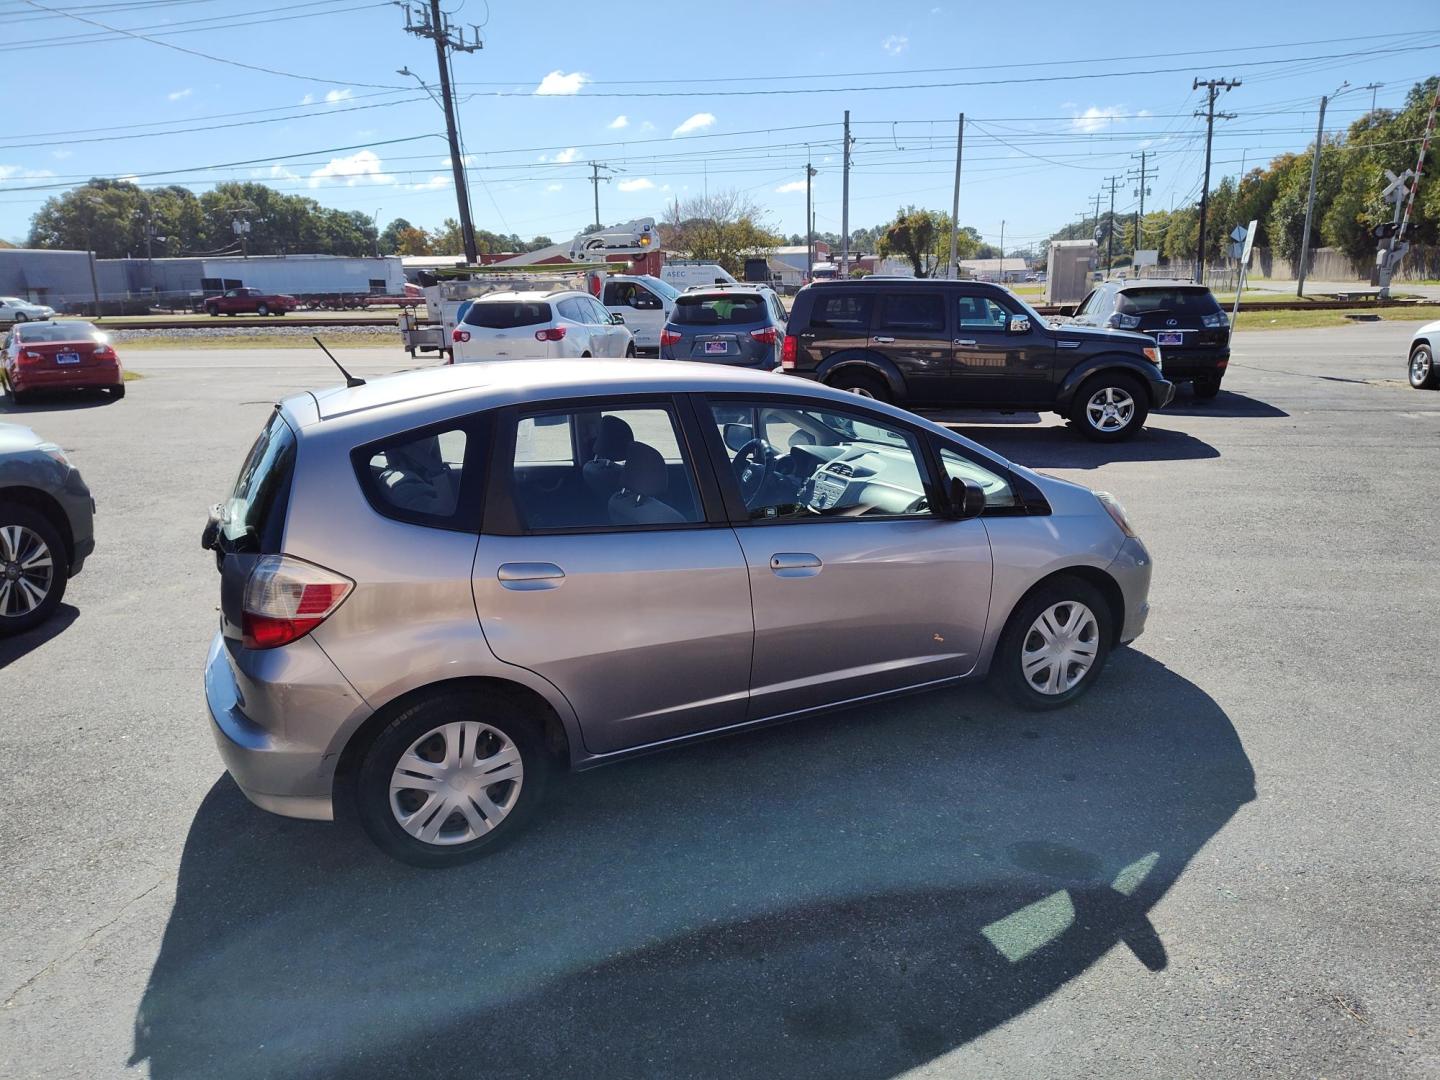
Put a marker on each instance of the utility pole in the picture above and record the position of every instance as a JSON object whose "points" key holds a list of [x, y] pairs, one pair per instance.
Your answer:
{"points": [[845, 206], [1372, 87], [1098, 196], [1143, 178], [1114, 182], [433, 24], [810, 171], [954, 268], [1002, 249], [1212, 91], [595, 181], [1310, 201]]}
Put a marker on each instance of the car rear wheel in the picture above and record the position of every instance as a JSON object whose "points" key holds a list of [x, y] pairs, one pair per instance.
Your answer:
{"points": [[117, 392], [33, 568], [1054, 645], [451, 778], [1110, 407], [1207, 387], [861, 384], [263, 310], [1423, 374]]}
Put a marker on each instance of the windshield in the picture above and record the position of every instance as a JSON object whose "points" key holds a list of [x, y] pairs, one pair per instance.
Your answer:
{"points": [[505, 314], [718, 309], [663, 289]]}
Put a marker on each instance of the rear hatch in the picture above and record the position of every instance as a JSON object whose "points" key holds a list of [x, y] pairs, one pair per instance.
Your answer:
{"points": [[505, 329], [1175, 316], [720, 328]]}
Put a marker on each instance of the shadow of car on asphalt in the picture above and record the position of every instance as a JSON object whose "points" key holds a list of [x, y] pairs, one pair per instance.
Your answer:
{"points": [[1060, 446], [56, 401], [847, 896], [13, 648], [1225, 405]]}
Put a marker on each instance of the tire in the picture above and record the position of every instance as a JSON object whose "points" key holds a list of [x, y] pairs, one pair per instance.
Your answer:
{"points": [[20, 317], [213, 310], [1424, 375], [1114, 388], [862, 384], [424, 732], [1022, 635], [263, 310], [1206, 388], [117, 392], [630, 351], [17, 397], [24, 527]]}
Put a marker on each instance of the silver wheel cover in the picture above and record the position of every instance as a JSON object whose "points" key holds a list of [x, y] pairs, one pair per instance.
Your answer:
{"points": [[862, 391], [456, 783], [1060, 647], [1110, 409], [1419, 366], [27, 571]]}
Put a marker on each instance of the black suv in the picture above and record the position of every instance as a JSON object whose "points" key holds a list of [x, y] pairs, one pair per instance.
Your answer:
{"points": [[1185, 320], [919, 343]]}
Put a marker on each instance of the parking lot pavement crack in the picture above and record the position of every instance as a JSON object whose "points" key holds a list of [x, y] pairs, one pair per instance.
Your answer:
{"points": [[80, 946]]}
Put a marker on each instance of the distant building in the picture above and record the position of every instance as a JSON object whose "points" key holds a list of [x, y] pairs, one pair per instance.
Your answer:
{"points": [[794, 254], [994, 269]]}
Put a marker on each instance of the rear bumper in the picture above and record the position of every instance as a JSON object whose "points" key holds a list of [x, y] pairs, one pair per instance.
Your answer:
{"points": [[1188, 365], [276, 724], [98, 375], [1131, 570]]}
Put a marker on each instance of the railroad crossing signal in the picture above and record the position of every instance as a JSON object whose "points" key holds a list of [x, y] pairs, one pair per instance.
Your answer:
{"points": [[1397, 188]]}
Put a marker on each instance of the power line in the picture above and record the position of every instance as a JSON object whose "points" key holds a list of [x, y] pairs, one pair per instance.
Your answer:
{"points": [[168, 29]]}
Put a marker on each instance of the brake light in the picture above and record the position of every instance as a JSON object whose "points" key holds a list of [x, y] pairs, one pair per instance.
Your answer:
{"points": [[555, 333], [1117, 321], [1215, 320], [31, 357], [669, 337], [102, 352], [460, 335], [787, 351], [286, 598], [767, 335]]}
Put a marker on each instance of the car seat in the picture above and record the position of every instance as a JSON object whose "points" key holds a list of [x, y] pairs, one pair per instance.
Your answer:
{"points": [[644, 481], [604, 472]]}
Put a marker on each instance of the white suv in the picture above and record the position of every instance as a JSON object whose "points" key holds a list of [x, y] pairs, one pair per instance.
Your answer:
{"points": [[539, 325]]}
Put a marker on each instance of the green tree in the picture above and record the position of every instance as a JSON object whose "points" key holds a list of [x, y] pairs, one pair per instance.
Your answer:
{"points": [[912, 235], [446, 240], [390, 235], [723, 227]]}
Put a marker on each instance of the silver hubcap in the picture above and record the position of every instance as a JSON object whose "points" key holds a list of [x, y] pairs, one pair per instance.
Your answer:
{"points": [[26, 571], [456, 783], [1419, 366], [1110, 409], [862, 391], [1060, 647]]}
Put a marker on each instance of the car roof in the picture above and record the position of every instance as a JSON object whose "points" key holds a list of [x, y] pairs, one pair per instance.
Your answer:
{"points": [[538, 294], [1159, 283]]}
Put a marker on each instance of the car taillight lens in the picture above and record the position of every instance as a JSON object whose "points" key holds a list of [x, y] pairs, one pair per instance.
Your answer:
{"points": [[766, 336], [555, 333], [1116, 511], [1217, 320], [669, 337], [1152, 354], [1118, 321], [31, 357], [286, 598], [787, 351], [103, 352], [459, 335]]}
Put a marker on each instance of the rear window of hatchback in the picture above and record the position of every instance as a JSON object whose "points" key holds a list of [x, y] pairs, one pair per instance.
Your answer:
{"points": [[719, 309], [506, 314], [1175, 300]]}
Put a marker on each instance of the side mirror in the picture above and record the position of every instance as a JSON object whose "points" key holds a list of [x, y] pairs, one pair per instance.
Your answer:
{"points": [[1019, 324], [737, 436], [617, 319], [967, 499]]}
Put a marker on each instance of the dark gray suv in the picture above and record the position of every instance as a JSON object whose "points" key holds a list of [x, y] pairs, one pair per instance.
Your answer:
{"points": [[739, 325]]}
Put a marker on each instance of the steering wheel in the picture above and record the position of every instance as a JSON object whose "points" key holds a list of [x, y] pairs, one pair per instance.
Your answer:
{"points": [[752, 467]]}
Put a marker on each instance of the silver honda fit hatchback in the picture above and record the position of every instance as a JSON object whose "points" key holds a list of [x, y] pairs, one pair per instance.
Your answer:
{"points": [[439, 587]]}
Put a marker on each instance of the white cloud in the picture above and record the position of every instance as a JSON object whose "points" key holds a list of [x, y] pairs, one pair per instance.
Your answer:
{"points": [[334, 96], [128, 178], [793, 185], [647, 126], [19, 172], [467, 159], [179, 95], [554, 187], [558, 83], [61, 155], [621, 121], [363, 166], [274, 172], [308, 99], [435, 183], [567, 155], [1097, 118], [640, 183], [699, 122], [895, 44]]}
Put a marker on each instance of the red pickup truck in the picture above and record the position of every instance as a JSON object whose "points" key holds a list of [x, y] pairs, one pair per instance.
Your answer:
{"points": [[249, 302]]}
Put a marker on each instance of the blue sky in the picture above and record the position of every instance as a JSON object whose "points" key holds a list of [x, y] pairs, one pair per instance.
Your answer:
{"points": [[1058, 99]]}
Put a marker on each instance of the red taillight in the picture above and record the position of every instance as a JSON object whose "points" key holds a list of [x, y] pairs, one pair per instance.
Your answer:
{"points": [[787, 351], [29, 356], [286, 598], [102, 352], [555, 333], [766, 336], [669, 337], [460, 335]]}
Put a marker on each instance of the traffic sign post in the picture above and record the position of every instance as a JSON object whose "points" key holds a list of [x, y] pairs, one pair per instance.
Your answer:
{"points": [[1247, 247]]}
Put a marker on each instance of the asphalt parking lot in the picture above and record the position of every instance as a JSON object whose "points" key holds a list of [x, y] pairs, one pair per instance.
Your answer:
{"points": [[1224, 861]]}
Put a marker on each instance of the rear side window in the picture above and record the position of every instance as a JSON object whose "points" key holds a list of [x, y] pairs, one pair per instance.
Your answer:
{"points": [[719, 309], [911, 311], [255, 512], [1191, 300], [842, 311], [507, 314], [417, 476]]}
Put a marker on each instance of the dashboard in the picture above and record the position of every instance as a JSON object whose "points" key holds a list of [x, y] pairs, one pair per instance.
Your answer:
{"points": [[850, 481]]}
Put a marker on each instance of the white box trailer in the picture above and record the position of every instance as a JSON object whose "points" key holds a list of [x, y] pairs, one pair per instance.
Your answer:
{"points": [[301, 275]]}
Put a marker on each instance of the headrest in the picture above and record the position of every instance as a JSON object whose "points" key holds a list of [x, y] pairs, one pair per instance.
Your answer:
{"points": [[420, 457], [615, 439], [645, 471]]}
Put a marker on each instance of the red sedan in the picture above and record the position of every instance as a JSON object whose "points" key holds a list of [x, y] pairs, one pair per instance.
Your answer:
{"points": [[60, 355]]}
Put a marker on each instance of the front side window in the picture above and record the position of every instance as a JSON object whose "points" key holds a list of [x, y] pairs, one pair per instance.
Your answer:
{"points": [[598, 314], [982, 313], [800, 463], [911, 312], [998, 492], [417, 477], [602, 468]]}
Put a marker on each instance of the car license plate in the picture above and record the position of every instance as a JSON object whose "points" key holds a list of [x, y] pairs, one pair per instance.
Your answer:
{"points": [[1169, 337], [712, 347], [67, 358]]}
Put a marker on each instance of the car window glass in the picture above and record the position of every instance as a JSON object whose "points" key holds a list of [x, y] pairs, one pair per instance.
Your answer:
{"points": [[998, 492], [718, 309], [598, 314], [255, 510], [1086, 306], [616, 294], [506, 314], [632, 470], [1191, 300], [798, 463], [912, 312], [981, 313], [570, 309], [419, 475], [842, 311]]}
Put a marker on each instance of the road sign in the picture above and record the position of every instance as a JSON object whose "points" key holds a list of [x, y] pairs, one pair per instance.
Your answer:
{"points": [[1238, 234], [1396, 189], [1250, 232], [1147, 257]]}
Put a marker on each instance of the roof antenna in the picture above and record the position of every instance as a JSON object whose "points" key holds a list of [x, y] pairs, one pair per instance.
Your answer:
{"points": [[350, 380]]}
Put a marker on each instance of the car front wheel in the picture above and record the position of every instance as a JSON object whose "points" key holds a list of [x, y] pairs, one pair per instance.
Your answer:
{"points": [[1423, 374], [213, 309], [451, 778], [1054, 645], [1110, 407], [34, 568], [263, 310], [20, 316]]}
